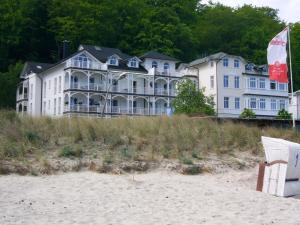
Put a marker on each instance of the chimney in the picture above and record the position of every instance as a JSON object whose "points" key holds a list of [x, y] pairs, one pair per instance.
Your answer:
{"points": [[65, 49]]}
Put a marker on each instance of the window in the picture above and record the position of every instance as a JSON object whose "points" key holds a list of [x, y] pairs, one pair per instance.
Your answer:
{"points": [[262, 103], [45, 85], [133, 63], [31, 91], [44, 108], [236, 63], [226, 81], [115, 102], [225, 62], [212, 82], [236, 82], [252, 82], [55, 85], [252, 103], [113, 60], [262, 83], [92, 80], [166, 67], [211, 63], [281, 104], [273, 104], [154, 64], [54, 106], [59, 84], [226, 102], [273, 85], [281, 86], [237, 103], [82, 61]]}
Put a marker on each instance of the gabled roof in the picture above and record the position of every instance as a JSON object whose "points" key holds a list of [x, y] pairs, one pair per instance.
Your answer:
{"points": [[34, 67], [216, 56], [102, 53], [157, 55]]}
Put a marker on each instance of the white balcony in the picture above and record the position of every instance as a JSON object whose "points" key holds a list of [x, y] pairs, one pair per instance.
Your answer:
{"points": [[260, 91], [85, 64]]}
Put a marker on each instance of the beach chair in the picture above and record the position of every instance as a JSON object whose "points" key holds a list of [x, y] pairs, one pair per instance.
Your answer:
{"points": [[280, 174]]}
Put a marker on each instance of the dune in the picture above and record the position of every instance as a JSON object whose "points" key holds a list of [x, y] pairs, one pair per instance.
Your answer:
{"points": [[158, 197]]}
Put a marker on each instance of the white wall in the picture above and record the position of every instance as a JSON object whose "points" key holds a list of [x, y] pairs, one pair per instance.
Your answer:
{"points": [[34, 95]]}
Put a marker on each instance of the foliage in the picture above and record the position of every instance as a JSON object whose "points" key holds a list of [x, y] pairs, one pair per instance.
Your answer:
{"points": [[247, 114], [190, 100], [33, 30], [284, 115]]}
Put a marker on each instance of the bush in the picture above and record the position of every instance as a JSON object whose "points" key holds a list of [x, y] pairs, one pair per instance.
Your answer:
{"points": [[284, 115], [67, 151], [248, 114]]}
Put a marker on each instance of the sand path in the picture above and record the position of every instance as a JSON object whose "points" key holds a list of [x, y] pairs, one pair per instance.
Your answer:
{"points": [[150, 199]]}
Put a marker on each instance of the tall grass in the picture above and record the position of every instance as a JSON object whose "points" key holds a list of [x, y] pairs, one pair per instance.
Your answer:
{"points": [[144, 138]]}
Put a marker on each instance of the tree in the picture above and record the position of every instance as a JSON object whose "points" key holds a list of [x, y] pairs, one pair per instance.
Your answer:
{"points": [[190, 100], [284, 115], [248, 114]]}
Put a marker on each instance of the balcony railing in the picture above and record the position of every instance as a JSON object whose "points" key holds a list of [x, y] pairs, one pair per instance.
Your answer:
{"points": [[22, 96], [123, 110], [85, 64]]}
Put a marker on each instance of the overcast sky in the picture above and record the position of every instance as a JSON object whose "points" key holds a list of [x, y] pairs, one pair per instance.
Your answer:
{"points": [[289, 10]]}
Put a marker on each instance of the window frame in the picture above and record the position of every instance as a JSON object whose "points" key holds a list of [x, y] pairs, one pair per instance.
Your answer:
{"points": [[226, 84], [226, 103]]}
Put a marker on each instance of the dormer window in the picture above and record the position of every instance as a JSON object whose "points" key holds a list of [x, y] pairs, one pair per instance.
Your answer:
{"points": [[133, 63], [113, 60], [154, 64]]}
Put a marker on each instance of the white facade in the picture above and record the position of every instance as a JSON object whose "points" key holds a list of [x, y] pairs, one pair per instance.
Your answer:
{"points": [[236, 85], [294, 104], [84, 85]]}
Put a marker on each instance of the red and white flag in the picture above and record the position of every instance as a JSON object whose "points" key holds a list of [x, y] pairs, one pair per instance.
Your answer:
{"points": [[277, 56]]}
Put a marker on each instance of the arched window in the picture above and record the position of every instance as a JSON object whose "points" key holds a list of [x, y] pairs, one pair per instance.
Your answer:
{"points": [[154, 64], [82, 61], [166, 68]]}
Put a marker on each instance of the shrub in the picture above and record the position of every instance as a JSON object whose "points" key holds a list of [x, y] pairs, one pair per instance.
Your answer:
{"points": [[67, 151], [248, 114], [284, 115]]}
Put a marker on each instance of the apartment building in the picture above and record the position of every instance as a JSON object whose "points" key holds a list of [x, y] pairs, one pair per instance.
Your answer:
{"points": [[237, 84], [99, 81]]}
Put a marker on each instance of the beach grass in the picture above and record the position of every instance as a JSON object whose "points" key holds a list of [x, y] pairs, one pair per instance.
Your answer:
{"points": [[182, 138]]}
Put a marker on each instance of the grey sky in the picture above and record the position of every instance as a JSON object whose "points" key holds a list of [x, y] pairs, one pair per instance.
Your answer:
{"points": [[289, 10]]}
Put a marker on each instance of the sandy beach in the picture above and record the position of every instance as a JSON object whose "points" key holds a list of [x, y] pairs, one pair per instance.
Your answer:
{"points": [[158, 197]]}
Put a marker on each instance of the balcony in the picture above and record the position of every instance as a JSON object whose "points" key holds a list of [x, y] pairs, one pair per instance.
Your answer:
{"points": [[269, 92], [120, 110], [23, 96], [85, 64]]}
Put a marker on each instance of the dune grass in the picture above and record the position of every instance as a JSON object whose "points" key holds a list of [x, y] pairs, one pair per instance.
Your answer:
{"points": [[124, 139]]}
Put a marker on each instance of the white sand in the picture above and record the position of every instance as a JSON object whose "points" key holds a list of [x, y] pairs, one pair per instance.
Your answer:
{"points": [[154, 198]]}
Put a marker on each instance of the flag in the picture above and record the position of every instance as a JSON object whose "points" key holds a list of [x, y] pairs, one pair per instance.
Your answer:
{"points": [[277, 56]]}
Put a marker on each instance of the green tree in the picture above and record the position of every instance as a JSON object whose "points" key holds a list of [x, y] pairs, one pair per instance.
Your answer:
{"points": [[190, 100], [8, 85], [284, 115], [248, 114]]}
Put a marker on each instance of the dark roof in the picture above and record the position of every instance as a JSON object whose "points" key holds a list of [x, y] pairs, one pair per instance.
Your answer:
{"points": [[102, 53], [157, 55], [34, 67]]}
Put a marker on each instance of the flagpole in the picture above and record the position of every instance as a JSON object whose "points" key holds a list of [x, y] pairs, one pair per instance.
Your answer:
{"points": [[291, 75]]}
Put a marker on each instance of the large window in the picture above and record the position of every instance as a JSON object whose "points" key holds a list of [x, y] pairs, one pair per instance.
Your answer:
{"points": [[212, 82], [59, 84], [281, 104], [225, 62], [154, 64], [236, 82], [236, 63], [262, 103], [262, 83], [281, 86], [252, 103], [226, 102], [252, 82], [273, 85], [226, 81], [273, 104], [82, 61], [237, 103], [55, 85]]}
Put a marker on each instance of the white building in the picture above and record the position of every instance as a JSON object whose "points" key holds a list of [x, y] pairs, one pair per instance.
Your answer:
{"points": [[98, 81], [236, 84], [294, 104]]}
